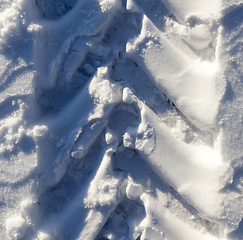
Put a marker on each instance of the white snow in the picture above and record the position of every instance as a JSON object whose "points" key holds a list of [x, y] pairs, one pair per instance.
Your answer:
{"points": [[189, 83], [121, 119], [181, 11], [30, 210], [16, 227]]}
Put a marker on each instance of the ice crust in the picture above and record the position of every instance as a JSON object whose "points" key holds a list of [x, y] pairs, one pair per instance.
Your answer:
{"points": [[120, 120]]}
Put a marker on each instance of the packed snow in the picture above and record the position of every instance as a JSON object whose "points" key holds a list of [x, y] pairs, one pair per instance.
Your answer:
{"points": [[121, 120]]}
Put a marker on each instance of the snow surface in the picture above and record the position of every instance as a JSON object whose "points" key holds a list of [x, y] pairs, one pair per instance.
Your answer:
{"points": [[121, 119]]}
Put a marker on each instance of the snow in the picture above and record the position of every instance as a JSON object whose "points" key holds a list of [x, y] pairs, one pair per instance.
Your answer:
{"points": [[196, 176], [16, 227], [185, 80], [121, 120], [181, 11]]}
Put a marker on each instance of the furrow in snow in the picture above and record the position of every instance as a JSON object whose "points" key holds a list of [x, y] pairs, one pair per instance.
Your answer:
{"points": [[56, 136]]}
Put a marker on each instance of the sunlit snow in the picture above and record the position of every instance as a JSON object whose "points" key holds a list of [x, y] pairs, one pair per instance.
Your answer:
{"points": [[121, 120]]}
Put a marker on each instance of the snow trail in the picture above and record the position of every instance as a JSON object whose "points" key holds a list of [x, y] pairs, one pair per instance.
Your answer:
{"points": [[120, 119]]}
